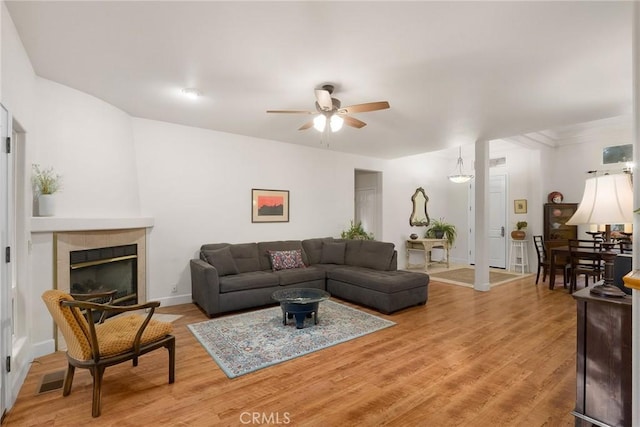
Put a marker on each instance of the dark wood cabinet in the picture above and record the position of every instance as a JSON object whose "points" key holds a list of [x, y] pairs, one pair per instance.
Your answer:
{"points": [[603, 360], [555, 217]]}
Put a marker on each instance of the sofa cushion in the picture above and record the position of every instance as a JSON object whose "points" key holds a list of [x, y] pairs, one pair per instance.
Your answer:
{"points": [[245, 256], [313, 248], [250, 280], [382, 281], [222, 260], [333, 253], [280, 245], [285, 260], [300, 275], [369, 254]]}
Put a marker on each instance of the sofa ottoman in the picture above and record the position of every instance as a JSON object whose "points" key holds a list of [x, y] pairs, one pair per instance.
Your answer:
{"points": [[385, 290]]}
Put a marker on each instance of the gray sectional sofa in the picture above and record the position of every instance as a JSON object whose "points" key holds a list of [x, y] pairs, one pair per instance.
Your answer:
{"points": [[229, 277]]}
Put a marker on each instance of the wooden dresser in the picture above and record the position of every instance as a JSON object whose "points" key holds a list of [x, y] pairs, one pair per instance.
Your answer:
{"points": [[603, 360]]}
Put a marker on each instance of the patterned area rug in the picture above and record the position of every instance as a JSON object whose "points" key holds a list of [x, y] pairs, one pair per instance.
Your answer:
{"points": [[465, 277], [246, 342]]}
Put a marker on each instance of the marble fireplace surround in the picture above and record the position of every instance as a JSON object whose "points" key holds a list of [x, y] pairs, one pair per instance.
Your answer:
{"points": [[67, 241]]}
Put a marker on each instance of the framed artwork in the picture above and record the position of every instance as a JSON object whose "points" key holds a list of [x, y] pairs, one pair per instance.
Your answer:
{"points": [[520, 206], [617, 154], [269, 205]]}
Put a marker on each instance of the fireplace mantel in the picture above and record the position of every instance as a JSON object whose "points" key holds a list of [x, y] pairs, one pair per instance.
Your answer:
{"points": [[54, 224]]}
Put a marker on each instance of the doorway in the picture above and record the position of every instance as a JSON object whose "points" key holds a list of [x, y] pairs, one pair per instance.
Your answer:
{"points": [[497, 222], [368, 201]]}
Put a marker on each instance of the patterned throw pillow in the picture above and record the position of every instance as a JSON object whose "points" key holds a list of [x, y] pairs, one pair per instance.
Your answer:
{"points": [[284, 260]]}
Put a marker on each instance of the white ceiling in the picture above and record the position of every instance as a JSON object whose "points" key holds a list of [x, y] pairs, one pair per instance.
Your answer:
{"points": [[453, 72]]}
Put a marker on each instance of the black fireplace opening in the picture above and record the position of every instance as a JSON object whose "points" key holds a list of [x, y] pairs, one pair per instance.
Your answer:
{"points": [[106, 269]]}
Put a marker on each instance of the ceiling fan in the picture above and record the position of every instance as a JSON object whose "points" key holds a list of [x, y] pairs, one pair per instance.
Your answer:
{"points": [[329, 111]]}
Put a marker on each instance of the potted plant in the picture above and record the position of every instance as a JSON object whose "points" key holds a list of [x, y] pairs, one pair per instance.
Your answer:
{"points": [[356, 232], [519, 233], [439, 229], [46, 183]]}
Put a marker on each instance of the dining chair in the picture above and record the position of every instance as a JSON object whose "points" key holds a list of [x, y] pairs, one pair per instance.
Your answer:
{"points": [[116, 340], [543, 262], [585, 260]]}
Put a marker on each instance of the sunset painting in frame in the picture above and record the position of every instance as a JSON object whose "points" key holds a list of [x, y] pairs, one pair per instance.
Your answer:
{"points": [[269, 205]]}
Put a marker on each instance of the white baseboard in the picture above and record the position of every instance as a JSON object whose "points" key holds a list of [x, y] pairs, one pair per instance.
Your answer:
{"points": [[174, 300], [43, 348]]}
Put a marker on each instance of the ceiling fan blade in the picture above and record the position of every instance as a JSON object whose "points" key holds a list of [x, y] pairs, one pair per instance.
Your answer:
{"points": [[306, 125], [291, 111], [353, 122], [362, 108], [324, 99]]}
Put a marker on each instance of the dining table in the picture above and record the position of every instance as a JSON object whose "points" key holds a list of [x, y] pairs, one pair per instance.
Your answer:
{"points": [[562, 252]]}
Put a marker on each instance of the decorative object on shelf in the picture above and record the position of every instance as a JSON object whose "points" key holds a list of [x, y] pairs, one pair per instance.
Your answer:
{"points": [[554, 228], [46, 183], [269, 205], [555, 197], [356, 232], [419, 215], [607, 199], [413, 236], [520, 206], [459, 177], [519, 233], [440, 229]]}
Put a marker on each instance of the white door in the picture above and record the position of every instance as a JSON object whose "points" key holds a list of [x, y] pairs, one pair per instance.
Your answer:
{"points": [[5, 266], [497, 222]]}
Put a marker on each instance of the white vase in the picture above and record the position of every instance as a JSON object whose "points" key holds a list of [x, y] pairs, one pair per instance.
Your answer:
{"points": [[46, 205]]}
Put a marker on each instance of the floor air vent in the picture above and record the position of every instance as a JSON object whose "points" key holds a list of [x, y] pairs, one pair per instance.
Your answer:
{"points": [[51, 381]]}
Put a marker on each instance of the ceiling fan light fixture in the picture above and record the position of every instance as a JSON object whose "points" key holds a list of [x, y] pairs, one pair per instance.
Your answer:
{"points": [[460, 177], [336, 123], [320, 122], [191, 93]]}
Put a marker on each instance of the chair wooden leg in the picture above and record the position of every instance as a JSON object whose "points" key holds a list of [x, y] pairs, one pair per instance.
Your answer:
{"points": [[98, 373], [545, 272], [171, 347], [538, 275], [68, 380]]}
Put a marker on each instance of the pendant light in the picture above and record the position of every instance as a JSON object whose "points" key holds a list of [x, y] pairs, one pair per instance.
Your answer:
{"points": [[459, 177]]}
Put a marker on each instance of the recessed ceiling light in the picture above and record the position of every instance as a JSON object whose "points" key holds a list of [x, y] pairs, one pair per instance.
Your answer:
{"points": [[191, 93]]}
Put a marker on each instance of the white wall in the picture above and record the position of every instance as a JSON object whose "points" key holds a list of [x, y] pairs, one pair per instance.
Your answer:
{"points": [[574, 157], [90, 143], [197, 185]]}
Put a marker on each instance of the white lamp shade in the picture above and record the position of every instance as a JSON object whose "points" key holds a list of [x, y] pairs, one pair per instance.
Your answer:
{"points": [[607, 199], [336, 123], [320, 122], [460, 179]]}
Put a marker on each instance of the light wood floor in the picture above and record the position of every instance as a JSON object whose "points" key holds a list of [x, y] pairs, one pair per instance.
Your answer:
{"points": [[467, 358]]}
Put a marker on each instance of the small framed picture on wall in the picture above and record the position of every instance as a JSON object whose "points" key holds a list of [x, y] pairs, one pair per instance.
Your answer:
{"points": [[269, 205], [520, 206]]}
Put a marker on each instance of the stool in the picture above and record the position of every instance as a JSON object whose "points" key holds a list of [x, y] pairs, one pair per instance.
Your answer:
{"points": [[519, 258]]}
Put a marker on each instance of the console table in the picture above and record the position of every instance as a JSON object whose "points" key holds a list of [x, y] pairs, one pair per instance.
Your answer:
{"points": [[426, 245], [603, 360]]}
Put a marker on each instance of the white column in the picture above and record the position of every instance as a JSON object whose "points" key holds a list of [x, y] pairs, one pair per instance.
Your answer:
{"points": [[635, 342], [481, 280]]}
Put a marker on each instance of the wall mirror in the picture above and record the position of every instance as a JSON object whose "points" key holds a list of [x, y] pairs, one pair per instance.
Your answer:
{"points": [[419, 216]]}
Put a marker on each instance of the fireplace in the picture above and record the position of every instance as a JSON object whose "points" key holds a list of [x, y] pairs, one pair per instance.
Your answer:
{"points": [[101, 259], [106, 269]]}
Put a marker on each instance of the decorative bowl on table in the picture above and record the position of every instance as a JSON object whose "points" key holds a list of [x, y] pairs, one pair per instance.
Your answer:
{"points": [[414, 236]]}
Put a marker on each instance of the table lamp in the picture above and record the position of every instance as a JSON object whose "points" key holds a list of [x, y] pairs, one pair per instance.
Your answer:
{"points": [[607, 199]]}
